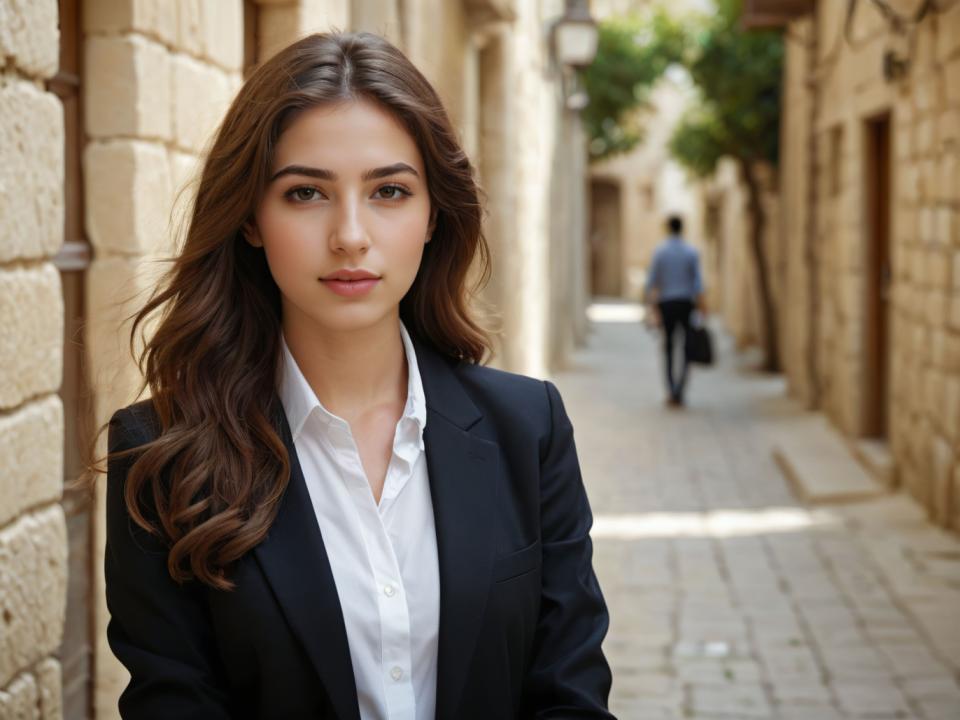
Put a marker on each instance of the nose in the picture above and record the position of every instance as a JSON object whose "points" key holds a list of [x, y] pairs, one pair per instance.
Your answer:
{"points": [[349, 235]]}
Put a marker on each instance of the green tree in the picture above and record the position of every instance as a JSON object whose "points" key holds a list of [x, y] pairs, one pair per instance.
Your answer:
{"points": [[632, 54], [739, 75]]}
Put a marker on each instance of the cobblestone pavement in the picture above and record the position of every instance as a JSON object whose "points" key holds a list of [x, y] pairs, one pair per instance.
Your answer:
{"points": [[728, 599]]}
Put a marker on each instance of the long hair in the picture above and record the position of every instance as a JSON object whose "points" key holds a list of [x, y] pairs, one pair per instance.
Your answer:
{"points": [[210, 484]]}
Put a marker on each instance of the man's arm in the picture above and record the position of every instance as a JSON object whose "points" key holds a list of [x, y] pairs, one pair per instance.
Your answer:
{"points": [[700, 294]]}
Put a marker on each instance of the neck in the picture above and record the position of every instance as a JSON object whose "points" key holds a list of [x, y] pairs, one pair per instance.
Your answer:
{"points": [[350, 371]]}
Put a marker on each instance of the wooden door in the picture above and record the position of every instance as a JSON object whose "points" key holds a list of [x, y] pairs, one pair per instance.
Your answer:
{"points": [[878, 278]]}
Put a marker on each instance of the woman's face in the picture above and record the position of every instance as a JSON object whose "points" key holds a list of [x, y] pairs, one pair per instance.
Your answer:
{"points": [[344, 217]]}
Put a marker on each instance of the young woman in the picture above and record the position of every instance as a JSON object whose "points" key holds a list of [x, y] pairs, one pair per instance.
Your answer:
{"points": [[328, 508]]}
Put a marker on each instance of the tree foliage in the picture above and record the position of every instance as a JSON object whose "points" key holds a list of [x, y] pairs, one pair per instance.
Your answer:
{"points": [[632, 54], [739, 76]]}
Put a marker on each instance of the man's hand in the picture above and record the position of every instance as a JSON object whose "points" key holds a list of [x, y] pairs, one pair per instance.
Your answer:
{"points": [[702, 304]]}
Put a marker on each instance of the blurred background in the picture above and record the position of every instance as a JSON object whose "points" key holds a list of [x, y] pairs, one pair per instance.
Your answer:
{"points": [[783, 547]]}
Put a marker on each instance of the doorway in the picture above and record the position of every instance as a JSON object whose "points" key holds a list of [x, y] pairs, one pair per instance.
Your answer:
{"points": [[606, 254], [878, 278]]}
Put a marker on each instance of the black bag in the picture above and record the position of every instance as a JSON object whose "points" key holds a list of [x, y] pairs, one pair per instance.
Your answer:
{"points": [[699, 345]]}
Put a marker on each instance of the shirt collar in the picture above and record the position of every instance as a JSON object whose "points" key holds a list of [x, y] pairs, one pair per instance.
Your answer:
{"points": [[299, 399]]}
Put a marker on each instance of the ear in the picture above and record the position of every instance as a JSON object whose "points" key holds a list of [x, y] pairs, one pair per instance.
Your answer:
{"points": [[251, 233]]}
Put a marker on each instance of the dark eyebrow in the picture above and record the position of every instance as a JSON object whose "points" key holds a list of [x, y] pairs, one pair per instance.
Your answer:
{"points": [[323, 174]]}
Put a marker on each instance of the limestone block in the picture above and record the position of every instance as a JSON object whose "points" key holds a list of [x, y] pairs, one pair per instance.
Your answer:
{"points": [[924, 137], [18, 701], [952, 364], [938, 349], [948, 33], [951, 403], [951, 71], [928, 179], [941, 480], [127, 84], [201, 96], [128, 195], [928, 224], [156, 19], [31, 171], [279, 26], [185, 175], [49, 684], [948, 126], [907, 190], [956, 498], [30, 35], [31, 333], [938, 268], [946, 218], [949, 171], [918, 265], [954, 311], [223, 33], [922, 98], [936, 306], [190, 26], [116, 288], [905, 232], [33, 578], [324, 15], [903, 141], [31, 455]]}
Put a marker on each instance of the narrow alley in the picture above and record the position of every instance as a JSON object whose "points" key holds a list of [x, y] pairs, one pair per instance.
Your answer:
{"points": [[728, 598]]}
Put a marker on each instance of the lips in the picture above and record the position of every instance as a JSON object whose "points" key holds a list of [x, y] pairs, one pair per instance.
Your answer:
{"points": [[348, 275], [350, 283]]}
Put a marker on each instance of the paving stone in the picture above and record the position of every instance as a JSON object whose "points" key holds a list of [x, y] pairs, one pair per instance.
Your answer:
{"points": [[739, 701], [871, 699], [727, 598]]}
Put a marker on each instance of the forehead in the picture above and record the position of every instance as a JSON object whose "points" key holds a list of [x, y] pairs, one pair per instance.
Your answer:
{"points": [[350, 135]]}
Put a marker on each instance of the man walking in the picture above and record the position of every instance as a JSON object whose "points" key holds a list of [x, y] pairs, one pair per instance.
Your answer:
{"points": [[675, 285]]}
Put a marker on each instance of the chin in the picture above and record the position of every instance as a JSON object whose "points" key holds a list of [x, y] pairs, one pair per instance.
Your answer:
{"points": [[353, 318]]}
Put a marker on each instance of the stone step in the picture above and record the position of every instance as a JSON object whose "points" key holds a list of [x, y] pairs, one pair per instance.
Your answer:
{"points": [[818, 463]]}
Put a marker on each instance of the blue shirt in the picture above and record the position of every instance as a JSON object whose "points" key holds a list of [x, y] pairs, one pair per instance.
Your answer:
{"points": [[675, 271]]}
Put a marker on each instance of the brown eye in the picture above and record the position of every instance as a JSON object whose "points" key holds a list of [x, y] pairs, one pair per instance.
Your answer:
{"points": [[391, 192], [304, 193]]}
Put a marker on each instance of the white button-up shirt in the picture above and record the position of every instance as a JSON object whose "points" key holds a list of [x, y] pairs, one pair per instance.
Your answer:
{"points": [[383, 557]]}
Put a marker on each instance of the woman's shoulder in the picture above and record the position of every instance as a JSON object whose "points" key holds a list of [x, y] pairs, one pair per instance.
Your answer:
{"points": [[510, 398], [134, 425]]}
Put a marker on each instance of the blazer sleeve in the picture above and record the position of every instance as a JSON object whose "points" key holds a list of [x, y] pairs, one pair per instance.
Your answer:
{"points": [[158, 628], [569, 676]]}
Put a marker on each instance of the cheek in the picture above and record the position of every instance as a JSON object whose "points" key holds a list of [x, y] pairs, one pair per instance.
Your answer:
{"points": [[289, 242], [409, 231]]}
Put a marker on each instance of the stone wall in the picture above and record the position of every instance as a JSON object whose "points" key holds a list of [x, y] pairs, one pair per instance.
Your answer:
{"points": [[158, 77], [728, 257], [33, 543], [849, 91]]}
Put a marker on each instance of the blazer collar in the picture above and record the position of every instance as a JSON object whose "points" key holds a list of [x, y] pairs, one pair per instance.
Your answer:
{"points": [[463, 470]]}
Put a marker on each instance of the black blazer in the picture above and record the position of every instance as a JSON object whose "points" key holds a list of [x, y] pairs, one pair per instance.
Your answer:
{"points": [[521, 613]]}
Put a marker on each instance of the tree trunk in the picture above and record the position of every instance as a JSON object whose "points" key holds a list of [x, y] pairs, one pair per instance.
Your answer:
{"points": [[758, 223]]}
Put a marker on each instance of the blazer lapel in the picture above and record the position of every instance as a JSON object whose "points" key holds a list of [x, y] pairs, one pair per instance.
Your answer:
{"points": [[463, 470], [294, 559]]}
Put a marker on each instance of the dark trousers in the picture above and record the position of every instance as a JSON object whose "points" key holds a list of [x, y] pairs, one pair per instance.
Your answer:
{"points": [[675, 315]]}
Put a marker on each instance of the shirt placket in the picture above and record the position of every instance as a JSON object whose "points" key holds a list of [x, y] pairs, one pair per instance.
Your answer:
{"points": [[391, 599]]}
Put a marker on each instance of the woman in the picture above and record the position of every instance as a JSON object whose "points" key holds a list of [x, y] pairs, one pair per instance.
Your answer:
{"points": [[328, 508]]}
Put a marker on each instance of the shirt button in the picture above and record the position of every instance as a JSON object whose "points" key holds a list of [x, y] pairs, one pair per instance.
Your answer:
{"points": [[389, 590], [396, 673]]}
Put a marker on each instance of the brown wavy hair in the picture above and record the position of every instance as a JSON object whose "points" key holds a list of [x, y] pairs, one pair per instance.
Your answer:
{"points": [[210, 484]]}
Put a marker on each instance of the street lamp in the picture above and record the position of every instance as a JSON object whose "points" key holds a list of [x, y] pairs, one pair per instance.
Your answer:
{"points": [[575, 46], [575, 35]]}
